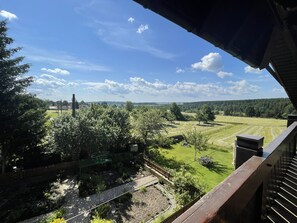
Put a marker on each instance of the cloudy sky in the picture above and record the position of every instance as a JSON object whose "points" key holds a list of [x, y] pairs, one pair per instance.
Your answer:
{"points": [[115, 50]]}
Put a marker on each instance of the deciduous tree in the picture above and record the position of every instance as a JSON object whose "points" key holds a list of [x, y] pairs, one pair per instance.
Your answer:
{"points": [[175, 110], [198, 140], [147, 124]]}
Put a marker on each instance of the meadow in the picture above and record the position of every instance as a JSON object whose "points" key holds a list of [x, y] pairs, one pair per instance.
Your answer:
{"points": [[224, 129], [222, 134]]}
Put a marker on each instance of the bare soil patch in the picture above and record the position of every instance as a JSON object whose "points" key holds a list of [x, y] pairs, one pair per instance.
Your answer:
{"points": [[139, 206]]}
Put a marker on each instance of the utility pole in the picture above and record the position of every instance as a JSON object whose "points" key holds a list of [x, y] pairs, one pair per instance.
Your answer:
{"points": [[73, 105]]}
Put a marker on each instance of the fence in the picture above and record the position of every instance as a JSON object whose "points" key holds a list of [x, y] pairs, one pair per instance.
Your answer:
{"points": [[157, 168], [24, 175]]}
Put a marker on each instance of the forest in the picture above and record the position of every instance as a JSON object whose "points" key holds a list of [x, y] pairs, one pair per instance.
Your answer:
{"points": [[265, 108]]}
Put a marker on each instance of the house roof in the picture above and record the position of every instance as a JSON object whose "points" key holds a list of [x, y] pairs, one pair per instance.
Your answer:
{"points": [[261, 33]]}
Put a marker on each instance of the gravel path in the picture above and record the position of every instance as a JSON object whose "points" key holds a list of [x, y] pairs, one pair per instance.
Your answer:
{"points": [[74, 205]]}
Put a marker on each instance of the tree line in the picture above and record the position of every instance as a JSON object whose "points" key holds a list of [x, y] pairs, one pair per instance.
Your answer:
{"points": [[265, 108]]}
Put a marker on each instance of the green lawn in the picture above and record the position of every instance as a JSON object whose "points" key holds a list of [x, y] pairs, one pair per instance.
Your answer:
{"points": [[222, 134], [52, 113], [55, 113], [179, 155]]}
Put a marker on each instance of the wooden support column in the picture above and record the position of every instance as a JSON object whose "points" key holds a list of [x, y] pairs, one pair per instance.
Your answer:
{"points": [[247, 146]]}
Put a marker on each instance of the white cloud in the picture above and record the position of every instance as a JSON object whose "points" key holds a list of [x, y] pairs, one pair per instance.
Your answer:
{"points": [[56, 71], [251, 70], [108, 86], [120, 36], [223, 74], [48, 86], [62, 60], [179, 70], [140, 87], [137, 88], [7, 15], [50, 81], [131, 19], [241, 87], [278, 90], [211, 63], [142, 28]]}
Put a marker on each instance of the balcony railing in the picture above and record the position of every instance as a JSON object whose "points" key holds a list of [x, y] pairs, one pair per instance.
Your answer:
{"points": [[247, 194]]}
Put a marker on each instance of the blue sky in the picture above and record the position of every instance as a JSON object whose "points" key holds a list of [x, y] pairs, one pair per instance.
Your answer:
{"points": [[114, 50]]}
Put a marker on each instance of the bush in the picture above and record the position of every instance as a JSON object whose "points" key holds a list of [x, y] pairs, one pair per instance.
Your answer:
{"points": [[99, 220], [186, 187], [56, 217], [58, 220], [101, 211], [206, 161], [90, 184], [163, 141], [143, 189]]}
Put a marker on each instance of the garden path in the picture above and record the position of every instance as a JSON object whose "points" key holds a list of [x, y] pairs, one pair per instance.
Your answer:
{"points": [[78, 209]]}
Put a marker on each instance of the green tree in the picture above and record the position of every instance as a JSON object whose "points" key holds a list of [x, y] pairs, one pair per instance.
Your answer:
{"points": [[147, 124], [250, 111], [170, 117], [92, 131], [207, 113], [198, 140], [129, 106], [22, 116], [175, 110], [186, 187], [200, 117], [65, 103]]}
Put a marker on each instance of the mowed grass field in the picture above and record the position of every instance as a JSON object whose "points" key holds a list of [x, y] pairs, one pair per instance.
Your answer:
{"points": [[225, 128], [222, 134]]}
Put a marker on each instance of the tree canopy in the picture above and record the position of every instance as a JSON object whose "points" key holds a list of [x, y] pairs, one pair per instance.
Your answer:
{"points": [[22, 116], [94, 130], [198, 140], [147, 123], [205, 114], [176, 111], [266, 108]]}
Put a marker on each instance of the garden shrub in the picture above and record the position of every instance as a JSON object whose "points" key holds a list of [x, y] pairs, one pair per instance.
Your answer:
{"points": [[101, 211], [186, 187], [58, 220], [90, 184], [38, 198], [56, 217], [206, 161], [143, 190], [163, 141], [99, 220]]}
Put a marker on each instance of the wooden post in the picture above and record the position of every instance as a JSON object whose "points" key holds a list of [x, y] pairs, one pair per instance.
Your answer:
{"points": [[73, 105], [247, 146]]}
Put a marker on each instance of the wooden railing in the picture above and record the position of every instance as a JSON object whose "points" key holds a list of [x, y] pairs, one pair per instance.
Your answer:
{"points": [[244, 195], [157, 168]]}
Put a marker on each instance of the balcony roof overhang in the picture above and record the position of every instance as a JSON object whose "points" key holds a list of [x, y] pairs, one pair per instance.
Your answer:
{"points": [[262, 33]]}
